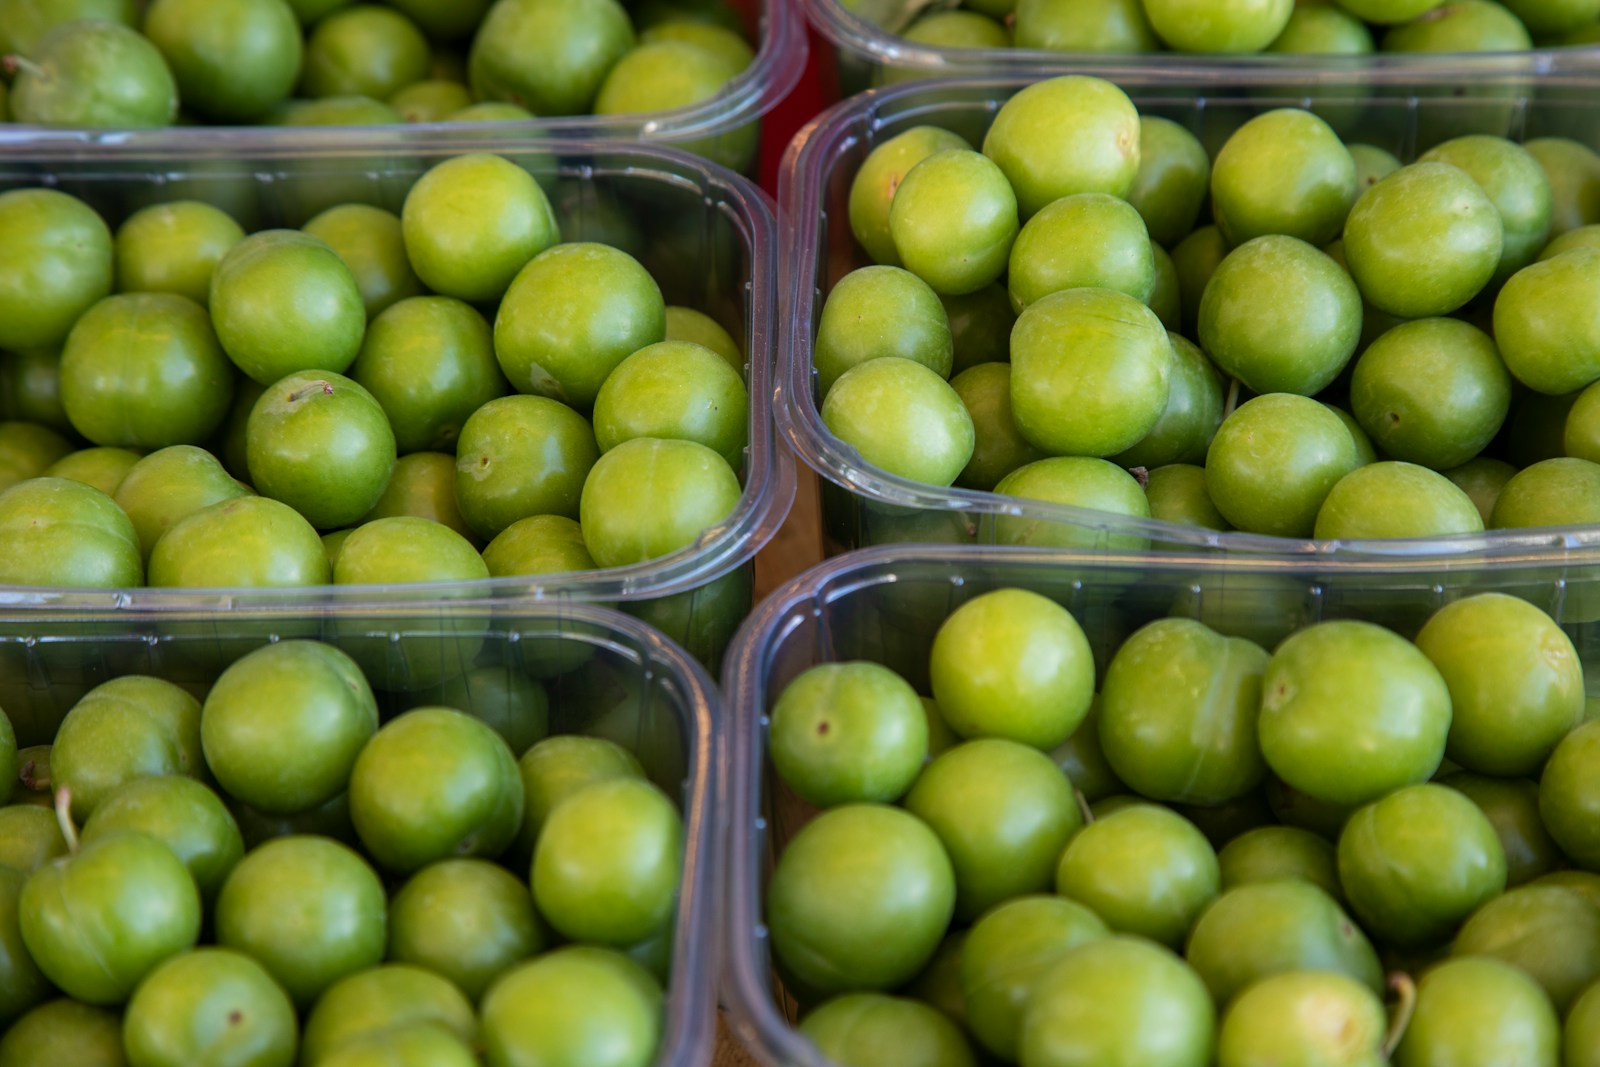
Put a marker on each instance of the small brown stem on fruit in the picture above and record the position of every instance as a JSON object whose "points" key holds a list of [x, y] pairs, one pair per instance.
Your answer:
{"points": [[1406, 990], [69, 832], [1083, 806], [311, 389], [35, 775], [13, 63], [1141, 475], [1233, 398]]}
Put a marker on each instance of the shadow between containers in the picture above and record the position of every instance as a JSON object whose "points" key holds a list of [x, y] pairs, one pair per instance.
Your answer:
{"points": [[884, 604], [863, 504]]}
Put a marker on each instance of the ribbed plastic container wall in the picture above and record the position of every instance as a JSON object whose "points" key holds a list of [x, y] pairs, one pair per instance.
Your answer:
{"points": [[717, 127], [606, 675], [885, 604], [865, 505], [706, 234], [866, 51]]}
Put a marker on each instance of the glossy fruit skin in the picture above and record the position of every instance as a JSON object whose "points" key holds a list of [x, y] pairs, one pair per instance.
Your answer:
{"points": [[608, 861], [1303, 1017], [61, 266], [1065, 135], [864, 1028], [953, 220], [284, 725], [434, 783], [1512, 807], [1118, 1002], [1192, 415], [876, 180], [29, 834], [1350, 736], [1582, 1035], [1569, 796], [64, 1031], [1143, 869], [379, 999], [1554, 492], [848, 732], [880, 311], [998, 447], [520, 456], [283, 301], [233, 60], [571, 315], [144, 370], [96, 943], [1547, 325], [1479, 1009], [363, 51], [664, 74], [1290, 443], [98, 468], [674, 389], [1003, 811], [246, 541], [1090, 373], [1427, 213], [131, 727], [1280, 853], [212, 1006], [1389, 499], [1265, 928], [1298, 340], [1008, 951], [423, 486], [538, 544], [1173, 179], [1516, 684], [558, 767], [370, 242], [1012, 664], [308, 909], [468, 920], [471, 224], [1433, 392], [859, 900], [901, 416], [55, 532], [182, 813], [1419, 861], [1178, 706], [423, 1044], [1285, 172], [648, 497], [1550, 932], [94, 74], [22, 985], [528, 1016], [1515, 184]]}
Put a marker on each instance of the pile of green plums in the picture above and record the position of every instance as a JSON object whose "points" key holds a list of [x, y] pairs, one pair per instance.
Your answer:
{"points": [[448, 394], [1348, 349], [128, 64], [1206, 854], [1244, 27], [271, 874]]}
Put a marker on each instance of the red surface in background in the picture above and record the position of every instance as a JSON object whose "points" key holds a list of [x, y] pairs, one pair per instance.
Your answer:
{"points": [[798, 108]]}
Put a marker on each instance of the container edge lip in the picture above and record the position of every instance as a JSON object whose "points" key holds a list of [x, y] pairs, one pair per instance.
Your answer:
{"points": [[778, 65], [765, 497], [807, 163], [866, 41]]}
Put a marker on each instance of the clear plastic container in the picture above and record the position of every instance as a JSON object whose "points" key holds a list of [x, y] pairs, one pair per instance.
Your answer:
{"points": [[606, 675], [867, 51], [884, 604], [865, 505], [723, 127], [706, 234]]}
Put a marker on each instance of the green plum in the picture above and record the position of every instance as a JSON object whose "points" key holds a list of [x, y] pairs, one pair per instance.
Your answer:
{"points": [[1481, 1010], [1178, 709], [1303, 1017], [1351, 711], [213, 1006], [538, 544], [472, 222], [859, 1029], [1081, 482], [1177, 494], [64, 1031], [369, 241], [22, 985], [1285, 172], [56, 532], [1280, 853], [578, 1006], [848, 732], [998, 446], [1065, 135], [468, 920], [233, 60], [1094, 26], [1553, 492], [679, 390], [647, 498], [1512, 808], [1003, 811], [872, 190], [364, 50], [381, 998], [1088, 240], [1516, 683], [1174, 176], [1273, 462], [953, 220], [61, 264], [549, 56], [1192, 415], [1517, 186], [1549, 932], [95, 74], [1569, 798], [1392, 499], [102, 468], [1547, 325], [169, 485], [183, 813], [173, 247], [902, 417], [519, 456], [880, 311]]}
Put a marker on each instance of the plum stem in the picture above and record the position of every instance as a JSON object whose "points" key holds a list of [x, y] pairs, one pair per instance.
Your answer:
{"points": [[1233, 398], [69, 832], [13, 63], [1406, 990], [312, 389], [34, 775], [1083, 806]]}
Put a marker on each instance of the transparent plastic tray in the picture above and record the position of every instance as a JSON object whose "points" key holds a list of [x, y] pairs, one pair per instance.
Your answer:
{"points": [[706, 234], [781, 48], [606, 674], [867, 51], [865, 505], [884, 604]]}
